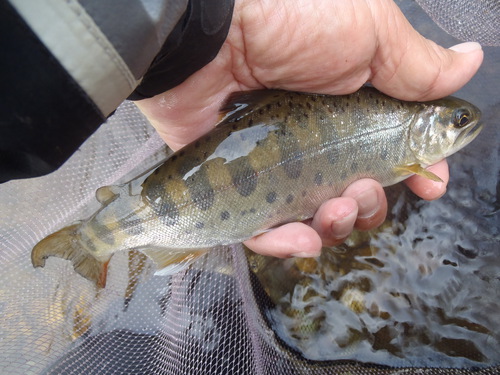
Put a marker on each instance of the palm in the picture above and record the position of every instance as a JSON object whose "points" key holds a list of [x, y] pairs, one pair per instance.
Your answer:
{"points": [[322, 46]]}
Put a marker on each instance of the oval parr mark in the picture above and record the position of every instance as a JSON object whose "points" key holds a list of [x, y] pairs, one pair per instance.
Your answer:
{"points": [[102, 232], [200, 189], [290, 153], [243, 176], [160, 202]]}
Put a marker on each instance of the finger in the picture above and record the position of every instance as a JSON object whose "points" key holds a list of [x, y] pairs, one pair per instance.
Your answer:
{"points": [[428, 189], [293, 239], [410, 67], [371, 201], [334, 220]]}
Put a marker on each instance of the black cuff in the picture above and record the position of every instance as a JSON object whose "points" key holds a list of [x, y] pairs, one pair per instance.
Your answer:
{"points": [[44, 114], [194, 42]]}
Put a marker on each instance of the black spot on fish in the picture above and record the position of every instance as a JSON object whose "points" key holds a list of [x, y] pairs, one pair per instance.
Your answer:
{"points": [[289, 199], [199, 225], [243, 213], [182, 153], [318, 179], [173, 158], [290, 104], [252, 210], [271, 197], [279, 104], [309, 106], [250, 122], [332, 156], [377, 102], [268, 107], [261, 111], [234, 126], [343, 176], [224, 215], [170, 177], [313, 98], [197, 144], [347, 105], [243, 176], [358, 99], [208, 138], [200, 189], [354, 166], [304, 193], [156, 171], [384, 154]]}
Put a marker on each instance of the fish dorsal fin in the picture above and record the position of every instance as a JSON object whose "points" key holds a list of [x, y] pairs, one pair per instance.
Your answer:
{"points": [[169, 262], [418, 169], [241, 103]]}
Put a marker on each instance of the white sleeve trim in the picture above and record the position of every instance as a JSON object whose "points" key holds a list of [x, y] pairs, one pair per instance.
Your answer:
{"points": [[81, 48]]}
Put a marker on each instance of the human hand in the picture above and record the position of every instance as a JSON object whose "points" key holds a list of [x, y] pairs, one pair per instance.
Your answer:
{"points": [[324, 47]]}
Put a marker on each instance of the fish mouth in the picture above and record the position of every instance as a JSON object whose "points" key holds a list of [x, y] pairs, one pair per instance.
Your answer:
{"points": [[468, 136]]}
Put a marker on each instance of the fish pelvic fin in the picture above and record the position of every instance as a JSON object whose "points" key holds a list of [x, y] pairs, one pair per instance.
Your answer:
{"points": [[418, 169], [64, 244], [170, 261]]}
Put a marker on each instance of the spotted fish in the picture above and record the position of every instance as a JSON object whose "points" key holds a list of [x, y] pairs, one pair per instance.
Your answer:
{"points": [[274, 158]]}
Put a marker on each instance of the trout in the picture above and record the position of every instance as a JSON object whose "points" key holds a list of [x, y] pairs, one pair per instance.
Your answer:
{"points": [[273, 158]]}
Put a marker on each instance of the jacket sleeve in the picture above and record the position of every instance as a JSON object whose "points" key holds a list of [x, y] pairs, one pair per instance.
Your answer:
{"points": [[66, 66]]}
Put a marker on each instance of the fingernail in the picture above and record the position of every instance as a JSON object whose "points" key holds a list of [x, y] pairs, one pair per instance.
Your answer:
{"points": [[368, 203], [466, 47], [339, 231]]}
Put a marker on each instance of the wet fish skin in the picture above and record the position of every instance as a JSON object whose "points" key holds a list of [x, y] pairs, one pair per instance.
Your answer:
{"points": [[273, 158]]}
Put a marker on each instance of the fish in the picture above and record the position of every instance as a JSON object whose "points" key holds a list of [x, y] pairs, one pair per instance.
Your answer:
{"points": [[273, 158]]}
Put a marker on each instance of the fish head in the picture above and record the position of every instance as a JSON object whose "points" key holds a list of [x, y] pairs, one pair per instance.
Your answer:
{"points": [[442, 128]]}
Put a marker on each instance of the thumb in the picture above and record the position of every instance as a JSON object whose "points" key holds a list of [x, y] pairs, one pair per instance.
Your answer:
{"points": [[410, 67]]}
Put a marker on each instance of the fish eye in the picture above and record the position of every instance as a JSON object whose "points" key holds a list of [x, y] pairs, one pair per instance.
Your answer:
{"points": [[461, 118]]}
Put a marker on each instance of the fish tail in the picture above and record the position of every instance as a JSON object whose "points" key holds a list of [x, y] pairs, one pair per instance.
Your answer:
{"points": [[65, 244]]}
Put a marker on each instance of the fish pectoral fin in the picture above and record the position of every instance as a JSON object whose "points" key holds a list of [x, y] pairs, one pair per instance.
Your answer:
{"points": [[170, 261], [240, 103], [418, 169]]}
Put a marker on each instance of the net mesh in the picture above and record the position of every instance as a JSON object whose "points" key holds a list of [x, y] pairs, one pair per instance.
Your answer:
{"points": [[419, 295]]}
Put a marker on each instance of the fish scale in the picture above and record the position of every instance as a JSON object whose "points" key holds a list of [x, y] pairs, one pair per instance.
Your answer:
{"points": [[274, 158]]}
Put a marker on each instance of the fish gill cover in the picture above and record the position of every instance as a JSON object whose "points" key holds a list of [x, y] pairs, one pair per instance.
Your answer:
{"points": [[419, 295]]}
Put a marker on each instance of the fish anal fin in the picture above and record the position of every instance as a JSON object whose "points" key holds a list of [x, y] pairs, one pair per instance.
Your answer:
{"points": [[64, 244], [172, 261], [419, 170]]}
